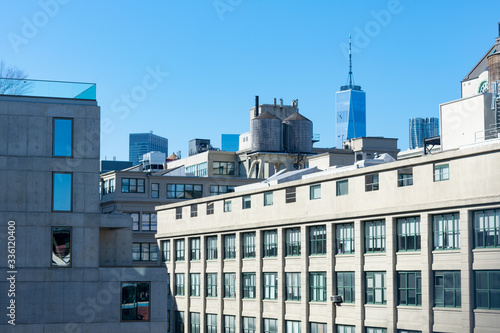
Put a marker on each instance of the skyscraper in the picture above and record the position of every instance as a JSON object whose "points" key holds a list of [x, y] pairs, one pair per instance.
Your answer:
{"points": [[350, 107], [142, 143], [421, 128]]}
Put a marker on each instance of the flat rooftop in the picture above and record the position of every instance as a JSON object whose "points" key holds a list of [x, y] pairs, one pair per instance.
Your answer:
{"points": [[52, 89]]}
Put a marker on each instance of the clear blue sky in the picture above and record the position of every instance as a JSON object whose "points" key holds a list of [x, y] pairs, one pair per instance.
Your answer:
{"points": [[220, 54]]}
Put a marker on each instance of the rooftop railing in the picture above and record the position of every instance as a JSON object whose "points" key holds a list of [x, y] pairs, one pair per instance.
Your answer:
{"points": [[42, 88]]}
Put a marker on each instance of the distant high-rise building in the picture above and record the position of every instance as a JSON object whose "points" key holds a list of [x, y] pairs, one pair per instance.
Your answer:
{"points": [[230, 142], [350, 107], [422, 128], [142, 143]]}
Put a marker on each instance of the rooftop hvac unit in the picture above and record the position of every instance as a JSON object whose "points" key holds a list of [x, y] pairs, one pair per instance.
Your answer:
{"points": [[336, 299]]}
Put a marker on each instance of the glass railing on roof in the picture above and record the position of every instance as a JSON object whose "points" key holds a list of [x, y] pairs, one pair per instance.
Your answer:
{"points": [[41, 88]]}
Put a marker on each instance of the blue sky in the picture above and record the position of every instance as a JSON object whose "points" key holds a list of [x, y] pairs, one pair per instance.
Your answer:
{"points": [[191, 69]]}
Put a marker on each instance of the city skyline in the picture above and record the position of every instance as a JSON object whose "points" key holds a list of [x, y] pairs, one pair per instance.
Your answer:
{"points": [[196, 73]]}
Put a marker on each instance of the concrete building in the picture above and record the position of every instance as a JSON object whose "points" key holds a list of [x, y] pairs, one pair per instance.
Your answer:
{"points": [[134, 193], [373, 247], [142, 143], [422, 128], [69, 267]]}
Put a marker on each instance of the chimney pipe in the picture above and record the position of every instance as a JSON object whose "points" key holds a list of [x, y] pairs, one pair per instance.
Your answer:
{"points": [[498, 29], [281, 102], [256, 112], [275, 101]]}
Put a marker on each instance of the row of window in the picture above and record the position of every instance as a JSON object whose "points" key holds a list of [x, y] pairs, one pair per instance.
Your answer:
{"points": [[445, 236], [144, 222], [447, 287], [405, 178], [174, 191]]}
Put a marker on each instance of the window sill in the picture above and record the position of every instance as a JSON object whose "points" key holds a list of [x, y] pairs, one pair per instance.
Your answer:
{"points": [[345, 254], [376, 305], [447, 309], [486, 249], [374, 254], [491, 311], [446, 250], [409, 307]]}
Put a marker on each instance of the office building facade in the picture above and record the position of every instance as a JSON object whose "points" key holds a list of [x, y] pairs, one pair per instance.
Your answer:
{"points": [[422, 128], [142, 143]]}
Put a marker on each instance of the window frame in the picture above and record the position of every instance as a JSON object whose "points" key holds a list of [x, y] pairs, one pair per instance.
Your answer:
{"points": [[229, 324], [229, 285], [344, 288], [248, 322], [290, 194], [70, 209], [267, 201], [194, 322], [210, 208], [56, 253], [249, 245], [139, 185], [444, 289], [406, 289], [180, 284], [293, 286], [179, 321], [246, 202], [488, 234], [444, 235], [181, 191], [317, 292], [293, 242], [270, 247], [227, 206], [373, 236], [248, 283], [441, 172], [270, 285], [149, 222], [194, 210], [405, 234], [270, 325], [223, 168], [341, 238], [56, 142], [165, 250], [210, 249], [212, 284], [317, 240], [195, 248], [180, 252], [135, 304], [155, 193], [488, 289], [211, 325], [339, 187], [405, 177], [178, 213], [194, 284], [372, 291], [315, 192], [229, 246], [145, 248], [372, 182]]}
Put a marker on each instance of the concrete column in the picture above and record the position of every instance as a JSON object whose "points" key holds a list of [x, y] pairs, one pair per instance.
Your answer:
{"points": [[391, 275], [304, 272], [330, 274], [427, 275], [220, 280], [237, 283], [259, 281], [359, 276], [203, 280], [281, 279], [466, 272]]}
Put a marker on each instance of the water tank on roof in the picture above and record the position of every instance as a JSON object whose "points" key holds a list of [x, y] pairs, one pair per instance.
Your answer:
{"points": [[298, 133], [494, 71], [265, 131]]}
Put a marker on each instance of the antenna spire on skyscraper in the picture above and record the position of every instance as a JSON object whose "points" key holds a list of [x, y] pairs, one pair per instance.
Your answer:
{"points": [[350, 63]]}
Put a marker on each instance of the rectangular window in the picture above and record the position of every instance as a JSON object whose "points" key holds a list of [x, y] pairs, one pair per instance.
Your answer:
{"points": [[342, 187], [268, 198], [371, 182], [249, 245], [487, 228], [345, 286], [270, 325], [179, 321], [318, 327], [62, 192], [135, 221], [270, 285], [148, 222], [409, 288], [405, 177], [211, 247], [191, 170], [178, 213], [194, 322], [227, 205], [61, 247], [135, 301], [194, 210], [292, 242], [211, 284], [195, 249], [155, 190], [210, 208], [376, 330], [345, 238], [441, 172], [230, 285], [317, 287], [223, 168], [108, 186], [62, 137], [201, 169], [446, 228], [246, 202], [144, 251], [346, 329], [290, 194], [317, 240], [229, 246], [194, 285], [249, 325], [447, 289], [229, 324], [132, 185], [165, 250], [211, 323], [409, 331], [292, 326], [270, 241], [315, 192], [221, 189], [376, 288], [184, 191], [487, 289], [292, 285], [248, 285], [409, 234], [179, 284], [375, 236], [179, 250]]}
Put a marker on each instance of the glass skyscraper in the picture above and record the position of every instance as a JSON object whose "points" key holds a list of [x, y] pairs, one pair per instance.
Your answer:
{"points": [[422, 128], [350, 108], [142, 143]]}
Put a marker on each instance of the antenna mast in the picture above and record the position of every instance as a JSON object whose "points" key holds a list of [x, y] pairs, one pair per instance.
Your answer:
{"points": [[350, 63]]}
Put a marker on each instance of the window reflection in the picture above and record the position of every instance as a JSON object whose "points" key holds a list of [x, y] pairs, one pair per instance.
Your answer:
{"points": [[135, 301], [63, 137], [61, 247], [61, 190]]}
